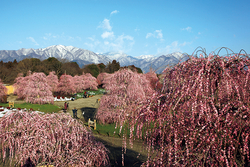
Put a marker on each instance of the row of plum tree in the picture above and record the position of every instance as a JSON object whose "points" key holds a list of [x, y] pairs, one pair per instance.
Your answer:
{"points": [[9, 70], [39, 88]]}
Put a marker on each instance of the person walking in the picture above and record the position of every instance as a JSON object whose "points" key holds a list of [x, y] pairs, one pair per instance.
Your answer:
{"points": [[65, 106], [74, 112]]}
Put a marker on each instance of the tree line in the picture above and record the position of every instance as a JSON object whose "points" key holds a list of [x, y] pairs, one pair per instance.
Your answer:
{"points": [[10, 70]]}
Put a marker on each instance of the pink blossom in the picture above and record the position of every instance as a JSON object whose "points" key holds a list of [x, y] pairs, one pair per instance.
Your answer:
{"points": [[202, 116], [3, 91], [56, 139], [37, 89], [52, 81], [126, 89], [66, 85]]}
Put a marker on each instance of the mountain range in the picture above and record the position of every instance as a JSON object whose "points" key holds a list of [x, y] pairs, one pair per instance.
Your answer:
{"points": [[84, 57]]}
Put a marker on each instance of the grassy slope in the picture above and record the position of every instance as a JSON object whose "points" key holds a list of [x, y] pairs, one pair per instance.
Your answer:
{"points": [[46, 108]]}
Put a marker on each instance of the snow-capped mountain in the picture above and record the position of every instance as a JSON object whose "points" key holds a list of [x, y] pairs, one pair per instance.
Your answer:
{"points": [[83, 57], [121, 57], [147, 57], [146, 62]]}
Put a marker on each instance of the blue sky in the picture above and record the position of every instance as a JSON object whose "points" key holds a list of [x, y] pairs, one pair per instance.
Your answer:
{"points": [[136, 27]]}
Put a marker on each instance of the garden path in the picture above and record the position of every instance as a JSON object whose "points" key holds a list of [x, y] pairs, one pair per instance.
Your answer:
{"points": [[86, 105]]}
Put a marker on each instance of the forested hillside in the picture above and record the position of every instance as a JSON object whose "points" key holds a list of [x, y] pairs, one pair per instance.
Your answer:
{"points": [[10, 70]]}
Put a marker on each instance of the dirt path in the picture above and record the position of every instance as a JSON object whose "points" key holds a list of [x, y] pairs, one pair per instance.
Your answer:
{"points": [[87, 105], [14, 98]]}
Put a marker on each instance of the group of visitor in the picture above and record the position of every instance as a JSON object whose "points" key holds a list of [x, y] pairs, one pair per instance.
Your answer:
{"points": [[66, 105], [85, 95]]}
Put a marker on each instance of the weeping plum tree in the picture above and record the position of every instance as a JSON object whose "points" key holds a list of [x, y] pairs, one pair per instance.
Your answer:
{"points": [[154, 80], [3, 90], [79, 83], [66, 85], [54, 139], [202, 118], [90, 82], [125, 89], [52, 80], [37, 89], [100, 78], [20, 84]]}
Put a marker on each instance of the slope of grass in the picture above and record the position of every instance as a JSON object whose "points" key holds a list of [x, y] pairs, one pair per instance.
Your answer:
{"points": [[46, 108]]}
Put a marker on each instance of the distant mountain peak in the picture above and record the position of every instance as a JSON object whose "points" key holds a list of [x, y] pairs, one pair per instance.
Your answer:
{"points": [[115, 55], [60, 47], [84, 57], [81, 56], [145, 56]]}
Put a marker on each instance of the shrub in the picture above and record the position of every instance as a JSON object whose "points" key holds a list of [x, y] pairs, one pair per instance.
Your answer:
{"points": [[55, 139]]}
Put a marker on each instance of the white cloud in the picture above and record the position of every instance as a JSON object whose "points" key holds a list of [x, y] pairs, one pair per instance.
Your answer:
{"points": [[149, 35], [107, 34], [157, 34], [108, 41], [114, 12], [93, 44], [185, 43], [56, 37], [173, 47], [105, 25], [122, 43], [33, 40], [187, 29], [91, 38], [49, 36], [126, 37]]}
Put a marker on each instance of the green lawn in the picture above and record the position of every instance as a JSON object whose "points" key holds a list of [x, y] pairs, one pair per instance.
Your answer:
{"points": [[109, 129], [90, 92], [46, 108]]}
